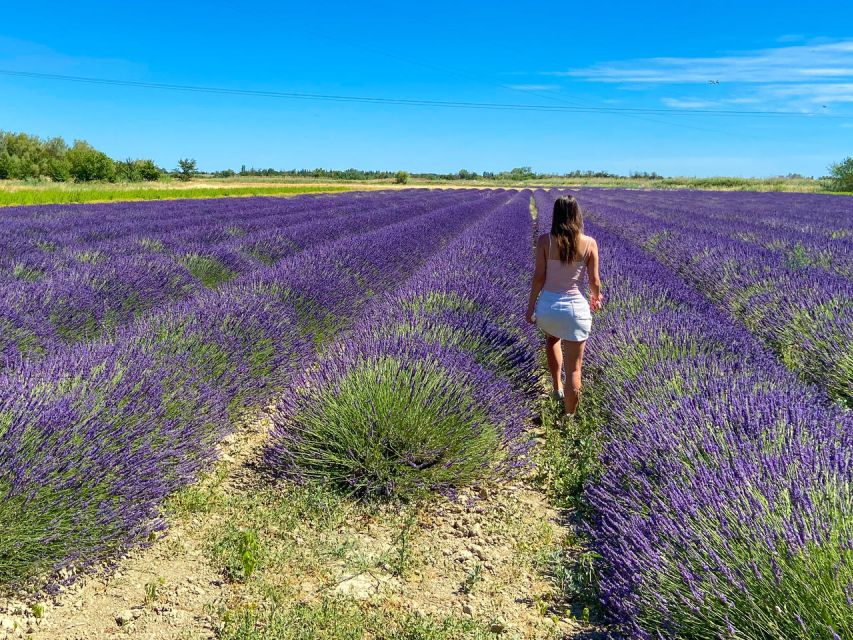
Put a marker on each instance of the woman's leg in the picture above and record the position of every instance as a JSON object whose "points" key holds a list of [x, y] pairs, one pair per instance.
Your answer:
{"points": [[574, 361], [555, 361]]}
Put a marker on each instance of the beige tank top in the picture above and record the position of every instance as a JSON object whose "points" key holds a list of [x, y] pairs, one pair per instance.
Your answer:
{"points": [[564, 277]]}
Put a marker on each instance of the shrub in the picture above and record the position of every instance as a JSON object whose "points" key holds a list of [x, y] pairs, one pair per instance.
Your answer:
{"points": [[401, 177], [841, 175], [87, 163], [391, 417]]}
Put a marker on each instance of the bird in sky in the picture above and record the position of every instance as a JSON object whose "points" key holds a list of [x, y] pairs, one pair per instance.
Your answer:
{"points": [[713, 82]]}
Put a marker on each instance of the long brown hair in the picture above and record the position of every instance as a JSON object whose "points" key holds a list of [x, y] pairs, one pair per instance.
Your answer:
{"points": [[567, 226]]}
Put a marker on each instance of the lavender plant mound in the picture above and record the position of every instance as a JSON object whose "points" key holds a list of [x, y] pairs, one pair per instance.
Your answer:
{"points": [[429, 392], [394, 417], [720, 505], [74, 285], [95, 436], [800, 310]]}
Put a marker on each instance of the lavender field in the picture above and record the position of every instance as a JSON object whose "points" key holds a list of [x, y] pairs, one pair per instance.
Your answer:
{"points": [[384, 334]]}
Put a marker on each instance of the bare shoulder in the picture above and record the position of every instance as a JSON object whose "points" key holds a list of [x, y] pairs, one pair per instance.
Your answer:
{"points": [[592, 243]]}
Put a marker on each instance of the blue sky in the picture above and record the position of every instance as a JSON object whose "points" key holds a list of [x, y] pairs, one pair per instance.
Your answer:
{"points": [[767, 56]]}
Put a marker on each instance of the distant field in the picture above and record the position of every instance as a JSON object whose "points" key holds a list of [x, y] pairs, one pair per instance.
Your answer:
{"points": [[23, 193]]}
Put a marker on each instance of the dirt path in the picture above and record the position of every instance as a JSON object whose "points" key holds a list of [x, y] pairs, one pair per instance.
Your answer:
{"points": [[481, 557]]}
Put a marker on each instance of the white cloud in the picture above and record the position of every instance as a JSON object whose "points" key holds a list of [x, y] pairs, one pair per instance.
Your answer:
{"points": [[688, 103], [813, 93], [795, 63], [534, 87]]}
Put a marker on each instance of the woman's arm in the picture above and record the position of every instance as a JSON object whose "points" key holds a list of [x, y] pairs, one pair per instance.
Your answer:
{"points": [[594, 277], [538, 278]]}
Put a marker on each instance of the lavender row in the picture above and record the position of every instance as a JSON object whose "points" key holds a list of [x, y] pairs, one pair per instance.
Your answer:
{"points": [[804, 229], [719, 510], [95, 437], [121, 230], [96, 296], [33, 229], [803, 313], [432, 388]]}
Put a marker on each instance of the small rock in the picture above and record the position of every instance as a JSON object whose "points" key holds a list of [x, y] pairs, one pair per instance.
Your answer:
{"points": [[498, 626], [478, 551], [358, 587], [226, 458], [231, 438], [464, 556], [125, 617], [7, 623]]}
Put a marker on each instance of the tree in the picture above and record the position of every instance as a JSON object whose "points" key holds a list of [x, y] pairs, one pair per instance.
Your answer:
{"points": [[186, 169], [148, 171], [841, 175], [401, 177], [87, 163]]}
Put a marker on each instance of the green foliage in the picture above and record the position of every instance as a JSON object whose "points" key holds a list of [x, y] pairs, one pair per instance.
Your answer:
{"points": [[87, 163], [401, 177], [24, 157], [186, 170], [841, 175], [211, 272], [406, 443], [137, 170], [239, 551], [152, 590], [108, 193], [342, 619], [472, 578]]}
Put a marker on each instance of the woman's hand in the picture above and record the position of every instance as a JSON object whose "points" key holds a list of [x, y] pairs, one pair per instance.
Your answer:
{"points": [[529, 316], [595, 302]]}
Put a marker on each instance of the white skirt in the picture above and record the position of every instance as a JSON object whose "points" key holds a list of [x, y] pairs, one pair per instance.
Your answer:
{"points": [[564, 315]]}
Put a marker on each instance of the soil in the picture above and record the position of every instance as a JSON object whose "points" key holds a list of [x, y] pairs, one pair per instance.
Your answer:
{"points": [[489, 537]]}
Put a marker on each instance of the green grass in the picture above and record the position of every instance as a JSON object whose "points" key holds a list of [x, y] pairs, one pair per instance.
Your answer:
{"points": [[342, 619], [109, 193]]}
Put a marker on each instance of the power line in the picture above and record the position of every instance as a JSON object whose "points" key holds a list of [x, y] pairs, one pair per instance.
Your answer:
{"points": [[404, 101]]}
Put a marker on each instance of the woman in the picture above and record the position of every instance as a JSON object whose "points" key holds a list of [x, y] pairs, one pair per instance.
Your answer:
{"points": [[561, 311]]}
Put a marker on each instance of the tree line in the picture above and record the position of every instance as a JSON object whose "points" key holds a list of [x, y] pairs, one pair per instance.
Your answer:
{"points": [[24, 157]]}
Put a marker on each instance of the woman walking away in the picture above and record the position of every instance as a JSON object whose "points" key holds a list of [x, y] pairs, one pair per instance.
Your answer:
{"points": [[556, 303]]}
